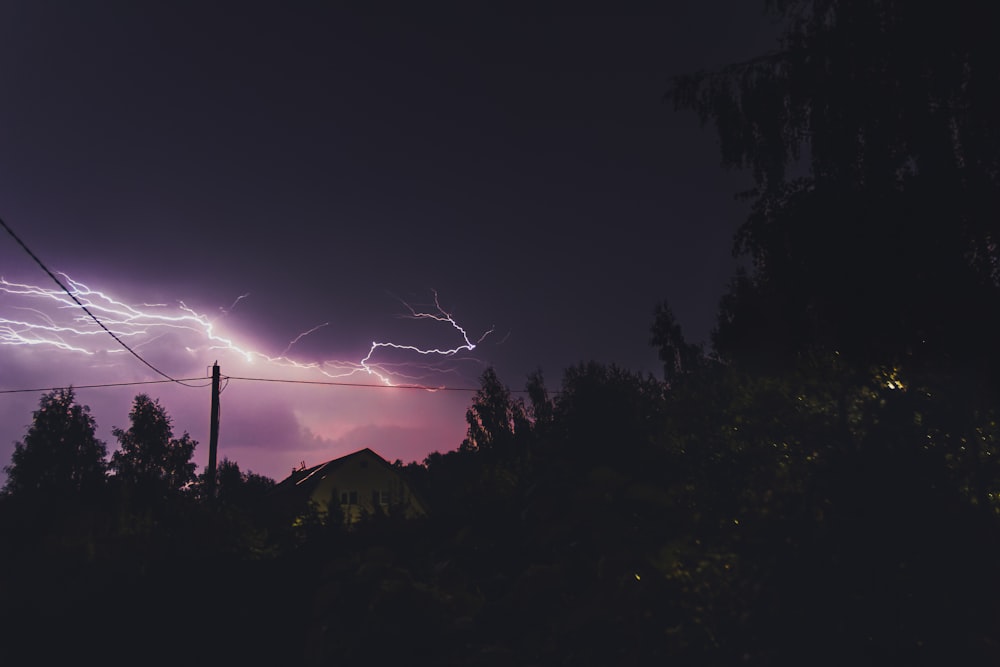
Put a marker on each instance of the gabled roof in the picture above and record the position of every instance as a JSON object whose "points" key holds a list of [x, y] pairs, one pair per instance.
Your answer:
{"points": [[302, 485], [306, 479]]}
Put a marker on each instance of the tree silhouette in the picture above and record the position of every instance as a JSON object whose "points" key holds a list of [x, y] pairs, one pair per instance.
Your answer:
{"points": [[149, 455], [840, 463], [60, 456], [604, 408], [238, 488], [540, 408], [494, 418], [678, 356], [870, 132]]}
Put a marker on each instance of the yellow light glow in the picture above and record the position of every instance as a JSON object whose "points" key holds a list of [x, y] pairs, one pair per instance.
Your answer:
{"points": [[891, 379]]}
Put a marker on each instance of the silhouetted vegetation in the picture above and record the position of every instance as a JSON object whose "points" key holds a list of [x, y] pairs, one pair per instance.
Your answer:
{"points": [[60, 458], [821, 486], [149, 456], [875, 214]]}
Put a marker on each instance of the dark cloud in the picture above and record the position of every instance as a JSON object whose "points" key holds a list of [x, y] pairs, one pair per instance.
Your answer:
{"points": [[329, 163]]}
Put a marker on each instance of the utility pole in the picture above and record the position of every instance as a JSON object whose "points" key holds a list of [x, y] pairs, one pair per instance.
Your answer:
{"points": [[213, 436]]}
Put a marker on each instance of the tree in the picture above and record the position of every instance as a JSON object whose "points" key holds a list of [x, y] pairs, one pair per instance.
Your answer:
{"points": [[678, 356], [494, 418], [871, 135], [149, 454], [862, 452], [605, 408], [540, 409], [60, 456], [239, 488]]}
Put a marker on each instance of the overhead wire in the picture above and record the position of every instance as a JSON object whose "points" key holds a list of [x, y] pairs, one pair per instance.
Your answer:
{"points": [[185, 381], [227, 378], [351, 384], [87, 310], [369, 386], [96, 386]]}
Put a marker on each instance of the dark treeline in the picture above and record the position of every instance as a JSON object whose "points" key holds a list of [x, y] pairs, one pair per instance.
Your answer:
{"points": [[819, 486]]}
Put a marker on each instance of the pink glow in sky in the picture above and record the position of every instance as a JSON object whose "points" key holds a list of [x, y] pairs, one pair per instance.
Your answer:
{"points": [[279, 408], [284, 169]]}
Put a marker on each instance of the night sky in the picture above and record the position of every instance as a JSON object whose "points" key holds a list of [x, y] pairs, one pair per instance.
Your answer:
{"points": [[264, 169]]}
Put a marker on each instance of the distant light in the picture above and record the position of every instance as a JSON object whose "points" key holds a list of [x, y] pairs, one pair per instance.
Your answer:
{"points": [[637, 577], [892, 380]]}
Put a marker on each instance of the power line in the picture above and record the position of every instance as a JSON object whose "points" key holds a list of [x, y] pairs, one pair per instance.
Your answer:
{"points": [[98, 386], [353, 384], [373, 386], [85, 309], [184, 382], [227, 378]]}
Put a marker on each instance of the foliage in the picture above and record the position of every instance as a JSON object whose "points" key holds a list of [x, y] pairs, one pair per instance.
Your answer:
{"points": [[678, 356], [242, 489], [607, 409], [823, 488], [772, 518], [60, 456], [494, 418], [149, 455], [870, 134]]}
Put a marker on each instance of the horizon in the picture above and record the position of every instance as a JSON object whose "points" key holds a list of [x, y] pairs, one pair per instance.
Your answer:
{"points": [[263, 172]]}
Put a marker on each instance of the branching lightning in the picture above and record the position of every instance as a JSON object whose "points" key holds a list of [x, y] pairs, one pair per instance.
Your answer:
{"points": [[50, 318], [440, 316], [301, 336]]}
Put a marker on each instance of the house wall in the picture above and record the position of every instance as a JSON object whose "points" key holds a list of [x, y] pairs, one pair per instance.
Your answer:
{"points": [[360, 485]]}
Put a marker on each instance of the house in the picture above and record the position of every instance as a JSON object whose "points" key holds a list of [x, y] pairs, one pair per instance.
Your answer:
{"points": [[358, 484]]}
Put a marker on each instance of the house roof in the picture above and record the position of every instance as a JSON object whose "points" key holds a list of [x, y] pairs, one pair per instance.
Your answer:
{"points": [[307, 478], [302, 482]]}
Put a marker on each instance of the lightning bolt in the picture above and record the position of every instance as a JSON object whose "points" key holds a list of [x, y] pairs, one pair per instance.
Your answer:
{"points": [[301, 336], [50, 318], [440, 316], [226, 311]]}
